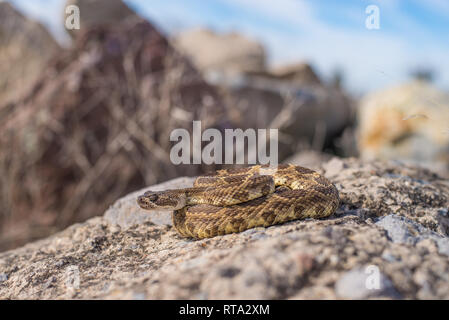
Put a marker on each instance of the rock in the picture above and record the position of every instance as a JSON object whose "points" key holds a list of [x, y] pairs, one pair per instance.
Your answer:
{"points": [[96, 126], [125, 213], [403, 230], [309, 259], [354, 284], [3, 277], [25, 48], [228, 53], [334, 167], [408, 122], [385, 187], [298, 74], [95, 13], [307, 117], [291, 98]]}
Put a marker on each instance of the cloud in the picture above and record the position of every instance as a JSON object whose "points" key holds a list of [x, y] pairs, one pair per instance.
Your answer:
{"points": [[324, 33], [328, 35]]}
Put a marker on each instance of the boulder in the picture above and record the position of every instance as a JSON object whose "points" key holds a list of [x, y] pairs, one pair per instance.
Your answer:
{"points": [[298, 74], [408, 122], [292, 98], [25, 48], [308, 116], [226, 53], [387, 240]]}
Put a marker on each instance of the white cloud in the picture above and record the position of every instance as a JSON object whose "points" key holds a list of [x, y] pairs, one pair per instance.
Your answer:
{"points": [[295, 30], [371, 59]]}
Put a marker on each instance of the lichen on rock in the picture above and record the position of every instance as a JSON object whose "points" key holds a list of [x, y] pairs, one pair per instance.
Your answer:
{"points": [[311, 259]]}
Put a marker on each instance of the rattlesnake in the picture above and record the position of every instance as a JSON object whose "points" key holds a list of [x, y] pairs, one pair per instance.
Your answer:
{"points": [[234, 200]]}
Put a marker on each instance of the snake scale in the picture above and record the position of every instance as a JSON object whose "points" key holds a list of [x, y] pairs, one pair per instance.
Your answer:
{"points": [[234, 200]]}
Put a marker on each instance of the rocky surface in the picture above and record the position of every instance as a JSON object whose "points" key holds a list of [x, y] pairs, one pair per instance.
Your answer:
{"points": [[388, 240]]}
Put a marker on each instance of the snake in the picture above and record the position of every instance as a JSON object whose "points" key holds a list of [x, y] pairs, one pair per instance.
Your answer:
{"points": [[237, 199]]}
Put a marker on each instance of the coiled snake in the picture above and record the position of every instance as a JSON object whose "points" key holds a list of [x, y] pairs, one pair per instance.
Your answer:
{"points": [[234, 200]]}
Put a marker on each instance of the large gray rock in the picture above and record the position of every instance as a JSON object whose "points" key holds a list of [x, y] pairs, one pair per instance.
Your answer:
{"points": [[308, 116], [403, 230], [111, 258]]}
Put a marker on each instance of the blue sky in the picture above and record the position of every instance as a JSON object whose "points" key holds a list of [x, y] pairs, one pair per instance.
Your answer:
{"points": [[329, 34]]}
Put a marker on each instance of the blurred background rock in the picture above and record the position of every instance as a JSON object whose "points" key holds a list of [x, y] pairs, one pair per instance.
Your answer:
{"points": [[99, 12], [309, 114], [88, 121], [409, 122], [25, 47]]}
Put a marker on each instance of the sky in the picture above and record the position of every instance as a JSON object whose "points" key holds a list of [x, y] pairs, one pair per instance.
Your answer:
{"points": [[331, 35]]}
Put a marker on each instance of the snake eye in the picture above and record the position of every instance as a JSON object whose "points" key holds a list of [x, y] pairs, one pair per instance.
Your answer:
{"points": [[152, 197]]}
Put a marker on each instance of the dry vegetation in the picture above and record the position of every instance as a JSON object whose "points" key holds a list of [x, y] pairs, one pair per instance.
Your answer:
{"points": [[95, 127]]}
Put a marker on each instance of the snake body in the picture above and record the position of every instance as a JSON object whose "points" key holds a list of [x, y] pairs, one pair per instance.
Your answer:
{"points": [[234, 200]]}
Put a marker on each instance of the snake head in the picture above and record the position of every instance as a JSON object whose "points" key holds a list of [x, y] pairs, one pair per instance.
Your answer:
{"points": [[162, 200]]}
